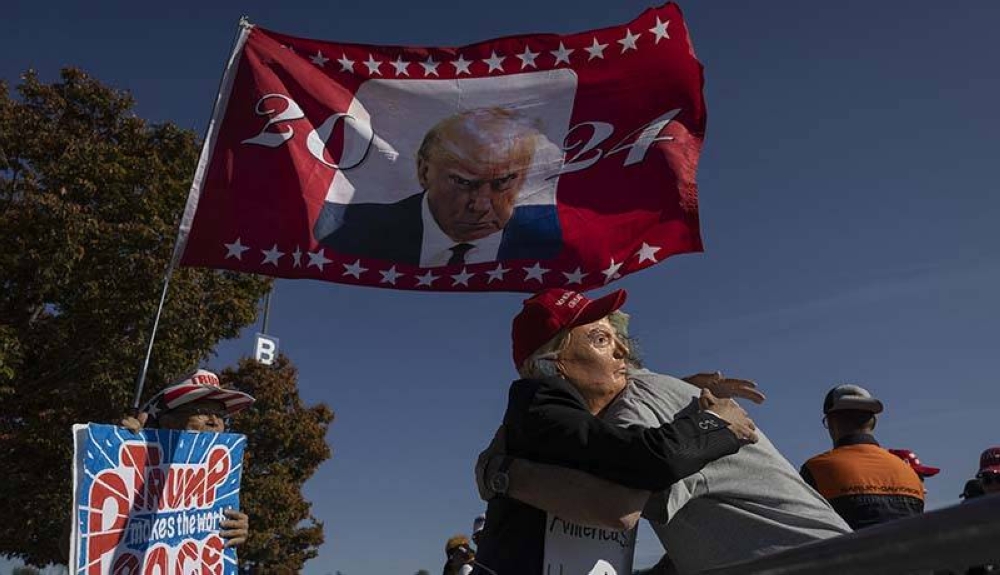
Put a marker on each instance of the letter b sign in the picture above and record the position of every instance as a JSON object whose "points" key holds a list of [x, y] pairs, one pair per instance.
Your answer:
{"points": [[265, 349]]}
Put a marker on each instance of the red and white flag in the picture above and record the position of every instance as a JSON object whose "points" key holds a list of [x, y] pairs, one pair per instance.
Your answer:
{"points": [[513, 164]]}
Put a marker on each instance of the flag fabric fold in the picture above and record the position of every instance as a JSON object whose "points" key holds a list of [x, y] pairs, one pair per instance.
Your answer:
{"points": [[514, 164]]}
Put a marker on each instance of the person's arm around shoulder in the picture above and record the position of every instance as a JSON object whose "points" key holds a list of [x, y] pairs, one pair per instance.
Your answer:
{"points": [[577, 496], [548, 419], [571, 494]]}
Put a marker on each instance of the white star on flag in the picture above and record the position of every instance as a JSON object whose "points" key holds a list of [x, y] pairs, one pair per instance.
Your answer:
{"points": [[462, 278], [318, 259], [596, 50], [527, 57], [390, 275], [235, 250], [496, 274], [647, 252], [426, 279], [494, 62], [660, 30], [574, 277], [297, 256], [271, 256], [628, 42], [373, 66], [354, 269], [461, 65], [612, 272], [562, 54], [535, 272], [346, 64], [430, 66], [319, 59], [400, 66]]}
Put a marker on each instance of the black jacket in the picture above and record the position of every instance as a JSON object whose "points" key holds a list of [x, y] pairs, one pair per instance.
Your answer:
{"points": [[547, 421]]}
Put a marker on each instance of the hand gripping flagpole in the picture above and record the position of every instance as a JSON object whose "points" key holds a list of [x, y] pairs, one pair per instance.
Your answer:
{"points": [[211, 134]]}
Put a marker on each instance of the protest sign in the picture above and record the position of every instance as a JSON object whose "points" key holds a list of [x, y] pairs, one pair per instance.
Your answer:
{"points": [[151, 502], [571, 548]]}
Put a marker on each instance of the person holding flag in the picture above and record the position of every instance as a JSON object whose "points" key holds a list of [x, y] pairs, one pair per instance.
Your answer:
{"points": [[197, 402]]}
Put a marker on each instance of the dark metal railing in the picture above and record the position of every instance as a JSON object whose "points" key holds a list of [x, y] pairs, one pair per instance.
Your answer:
{"points": [[949, 540]]}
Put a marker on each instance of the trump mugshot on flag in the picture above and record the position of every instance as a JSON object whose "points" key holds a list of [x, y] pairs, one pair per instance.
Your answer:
{"points": [[513, 164]]}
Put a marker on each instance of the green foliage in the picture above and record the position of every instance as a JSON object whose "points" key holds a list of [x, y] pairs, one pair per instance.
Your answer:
{"points": [[90, 198], [286, 442], [10, 355]]}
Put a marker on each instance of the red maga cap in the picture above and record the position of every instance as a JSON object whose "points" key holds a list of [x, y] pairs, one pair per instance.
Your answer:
{"points": [[914, 462], [989, 461], [548, 312]]}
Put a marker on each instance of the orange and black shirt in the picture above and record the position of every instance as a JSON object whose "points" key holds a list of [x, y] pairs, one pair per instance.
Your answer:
{"points": [[864, 483]]}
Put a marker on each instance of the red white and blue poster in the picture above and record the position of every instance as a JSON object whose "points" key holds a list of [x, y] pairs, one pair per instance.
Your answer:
{"points": [[513, 164], [150, 503]]}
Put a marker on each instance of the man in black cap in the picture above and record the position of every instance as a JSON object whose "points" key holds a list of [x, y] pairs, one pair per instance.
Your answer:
{"points": [[864, 483]]}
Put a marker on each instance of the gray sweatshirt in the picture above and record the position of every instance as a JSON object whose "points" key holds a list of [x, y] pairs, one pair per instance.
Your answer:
{"points": [[741, 506]]}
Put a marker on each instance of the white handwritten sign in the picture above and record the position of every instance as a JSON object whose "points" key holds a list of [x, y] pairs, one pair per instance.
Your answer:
{"points": [[572, 549]]}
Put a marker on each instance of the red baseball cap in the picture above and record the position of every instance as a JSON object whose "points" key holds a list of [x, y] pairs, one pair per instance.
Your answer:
{"points": [[989, 461], [550, 311], [914, 462]]}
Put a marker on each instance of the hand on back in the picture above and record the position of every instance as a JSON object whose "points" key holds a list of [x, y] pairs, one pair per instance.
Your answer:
{"points": [[727, 387], [731, 412]]}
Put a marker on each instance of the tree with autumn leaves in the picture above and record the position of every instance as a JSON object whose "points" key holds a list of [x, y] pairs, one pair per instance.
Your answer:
{"points": [[90, 199], [285, 445]]}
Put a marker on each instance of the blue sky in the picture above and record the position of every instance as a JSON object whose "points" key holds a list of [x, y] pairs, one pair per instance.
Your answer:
{"points": [[849, 203]]}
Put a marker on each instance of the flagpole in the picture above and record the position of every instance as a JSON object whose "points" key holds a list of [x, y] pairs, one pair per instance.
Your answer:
{"points": [[184, 228], [141, 380], [267, 307]]}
